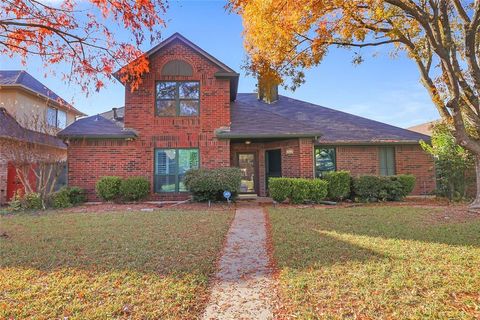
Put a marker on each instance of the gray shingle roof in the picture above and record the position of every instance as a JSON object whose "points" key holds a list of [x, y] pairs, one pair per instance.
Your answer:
{"points": [[250, 116], [96, 127], [11, 129], [21, 78]]}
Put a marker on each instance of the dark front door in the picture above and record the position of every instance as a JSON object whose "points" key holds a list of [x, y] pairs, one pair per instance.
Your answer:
{"points": [[273, 164], [248, 165]]}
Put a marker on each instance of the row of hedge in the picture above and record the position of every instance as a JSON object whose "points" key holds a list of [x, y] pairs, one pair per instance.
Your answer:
{"points": [[66, 197], [339, 185], [112, 188], [297, 190]]}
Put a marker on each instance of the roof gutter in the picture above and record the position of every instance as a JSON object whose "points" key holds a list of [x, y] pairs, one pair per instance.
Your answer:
{"points": [[368, 143], [87, 136], [48, 99], [265, 136]]}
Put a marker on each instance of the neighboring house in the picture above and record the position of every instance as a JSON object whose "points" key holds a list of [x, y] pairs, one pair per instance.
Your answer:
{"points": [[29, 113], [187, 114], [424, 128]]}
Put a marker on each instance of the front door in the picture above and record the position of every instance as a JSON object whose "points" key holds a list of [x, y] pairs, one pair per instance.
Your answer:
{"points": [[247, 164], [273, 164]]}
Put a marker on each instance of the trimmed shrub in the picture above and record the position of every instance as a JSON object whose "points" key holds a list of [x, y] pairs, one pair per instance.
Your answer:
{"points": [[108, 188], [368, 188], [339, 184], [61, 199], [76, 195], [279, 188], [32, 201], [407, 181], [300, 190], [374, 188], [134, 188], [209, 184], [318, 190], [297, 190]]}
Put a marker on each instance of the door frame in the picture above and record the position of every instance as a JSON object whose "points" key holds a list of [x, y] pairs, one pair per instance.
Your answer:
{"points": [[255, 169]]}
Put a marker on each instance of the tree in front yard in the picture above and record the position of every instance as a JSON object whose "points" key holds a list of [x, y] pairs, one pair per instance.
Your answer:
{"points": [[452, 163], [442, 37], [81, 35]]}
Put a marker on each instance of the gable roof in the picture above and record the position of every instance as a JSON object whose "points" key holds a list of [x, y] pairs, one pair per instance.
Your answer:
{"points": [[251, 117], [22, 79], [97, 127], [11, 129], [225, 71]]}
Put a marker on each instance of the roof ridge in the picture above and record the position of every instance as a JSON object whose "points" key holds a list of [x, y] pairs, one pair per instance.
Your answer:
{"points": [[347, 113]]}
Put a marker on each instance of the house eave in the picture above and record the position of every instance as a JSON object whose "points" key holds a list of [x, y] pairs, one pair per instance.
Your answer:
{"points": [[265, 135], [369, 143]]}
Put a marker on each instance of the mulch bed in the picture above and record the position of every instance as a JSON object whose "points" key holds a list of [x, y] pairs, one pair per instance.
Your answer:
{"points": [[110, 207]]}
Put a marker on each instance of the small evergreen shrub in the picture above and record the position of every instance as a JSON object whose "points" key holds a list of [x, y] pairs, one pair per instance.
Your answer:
{"points": [[279, 188], [108, 188], [209, 184], [32, 201], [318, 190], [61, 199], [76, 195], [367, 188], [134, 188], [300, 190], [297, 190], [339, 184], [407, 181], [375, 188]]}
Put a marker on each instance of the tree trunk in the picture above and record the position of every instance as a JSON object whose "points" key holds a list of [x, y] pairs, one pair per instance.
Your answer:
{"points": [[475, 205]]}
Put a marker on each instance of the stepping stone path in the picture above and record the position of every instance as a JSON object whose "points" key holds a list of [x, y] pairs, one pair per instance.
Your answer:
{"points": [[244, 288]]}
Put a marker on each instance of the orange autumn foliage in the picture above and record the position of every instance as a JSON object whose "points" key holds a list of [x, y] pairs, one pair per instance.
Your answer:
{"points": [[82, 35], [285, 37]]}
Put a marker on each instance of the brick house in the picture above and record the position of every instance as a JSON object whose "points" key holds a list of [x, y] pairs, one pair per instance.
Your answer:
{"points": [[30, 116], [187, 114]]}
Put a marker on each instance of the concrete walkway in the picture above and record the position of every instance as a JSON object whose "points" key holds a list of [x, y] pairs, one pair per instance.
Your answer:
{"points": [[244, 287]]}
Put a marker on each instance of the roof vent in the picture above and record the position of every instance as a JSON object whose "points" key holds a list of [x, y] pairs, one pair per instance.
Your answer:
{"points": [[177, 68]]}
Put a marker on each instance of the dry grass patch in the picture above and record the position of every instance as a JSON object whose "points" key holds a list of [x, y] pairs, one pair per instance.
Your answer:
{"points": [[376, 263], [148, 265]]}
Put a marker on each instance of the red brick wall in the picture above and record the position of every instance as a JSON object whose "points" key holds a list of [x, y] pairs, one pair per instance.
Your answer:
{"points": [[409, 159], [359, 160], [88, 162]]}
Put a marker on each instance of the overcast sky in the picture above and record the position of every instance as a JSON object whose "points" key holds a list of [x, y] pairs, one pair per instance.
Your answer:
{"points": [[381, 88]]}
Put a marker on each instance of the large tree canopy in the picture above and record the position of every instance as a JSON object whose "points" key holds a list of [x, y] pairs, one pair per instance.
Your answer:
{"points": [[81, 34], [283, 37]]}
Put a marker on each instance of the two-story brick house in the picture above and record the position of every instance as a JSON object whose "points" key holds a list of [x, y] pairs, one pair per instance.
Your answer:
{"points": [[187, 114], [29, 113]]}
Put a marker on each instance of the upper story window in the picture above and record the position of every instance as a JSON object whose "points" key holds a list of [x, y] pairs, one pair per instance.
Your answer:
{"points": [[325, 160], [56, 118], [386, 158], [177, 98]]}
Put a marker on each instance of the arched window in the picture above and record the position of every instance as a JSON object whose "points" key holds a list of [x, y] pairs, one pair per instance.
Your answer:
{"points": [[177, 68]]}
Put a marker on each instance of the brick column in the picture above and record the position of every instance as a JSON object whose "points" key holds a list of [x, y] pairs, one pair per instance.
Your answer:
{"points": [[306, 158]]}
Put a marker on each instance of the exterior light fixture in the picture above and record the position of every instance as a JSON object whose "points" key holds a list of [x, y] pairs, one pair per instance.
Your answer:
{"points": [[248, 142]]}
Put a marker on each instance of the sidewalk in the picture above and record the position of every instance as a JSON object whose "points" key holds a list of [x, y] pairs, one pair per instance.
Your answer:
{"points": [[243, 288]]}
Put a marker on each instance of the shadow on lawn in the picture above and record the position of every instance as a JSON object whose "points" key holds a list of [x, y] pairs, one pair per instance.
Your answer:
{"points": [[318, 235]]}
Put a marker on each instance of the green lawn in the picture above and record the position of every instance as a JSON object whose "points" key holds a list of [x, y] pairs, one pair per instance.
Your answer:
{"points": [[376, 263], [148, 265]]}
